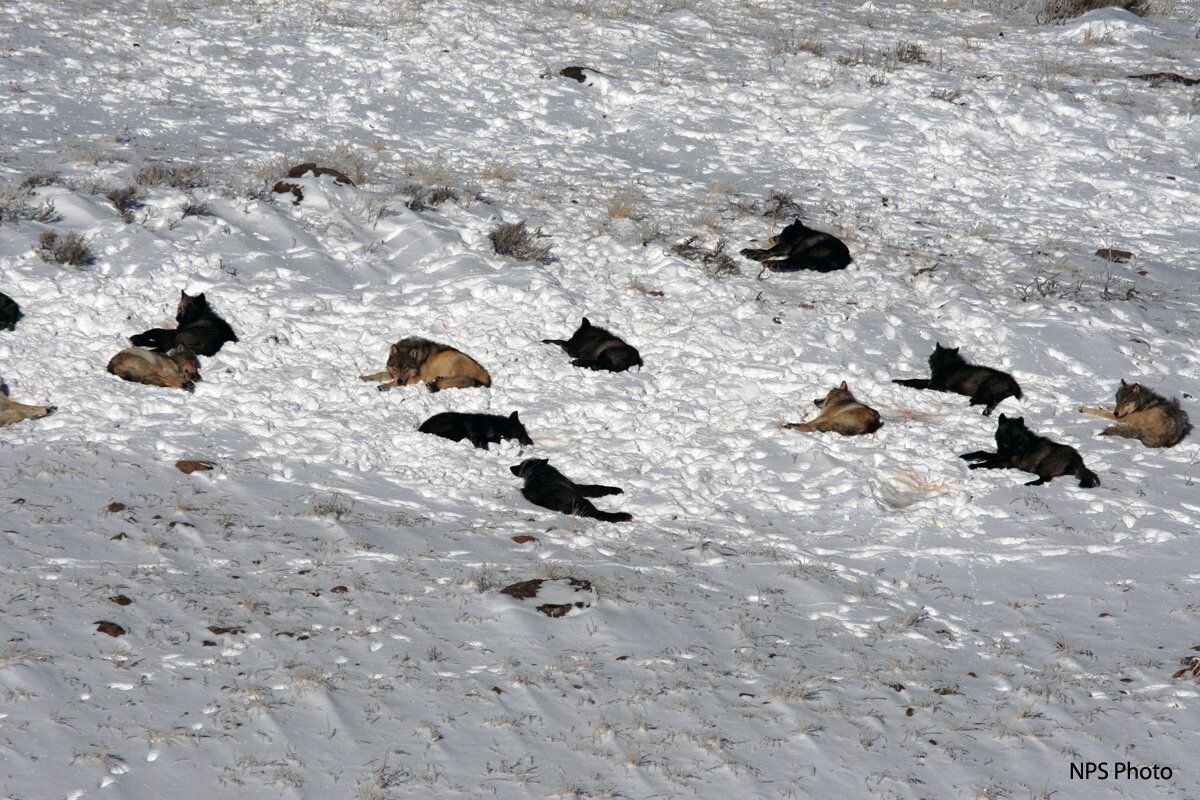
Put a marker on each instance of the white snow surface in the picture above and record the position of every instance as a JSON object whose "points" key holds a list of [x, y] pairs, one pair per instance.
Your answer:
{"points": [[789, 615]]}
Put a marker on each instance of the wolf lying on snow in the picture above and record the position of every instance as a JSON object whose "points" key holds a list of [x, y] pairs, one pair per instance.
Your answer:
{"points": [[1143, 414], [1017, 447], [592, 347], [841, 413], [439, 366], [800, 247], [10, 313], [984, 385], [547, 487], [200, 329], [11, 412], [480, 429], [178, 369]]}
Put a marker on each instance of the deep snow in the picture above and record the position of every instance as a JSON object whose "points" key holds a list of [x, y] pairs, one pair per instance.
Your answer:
{"points": [[789, 615]]}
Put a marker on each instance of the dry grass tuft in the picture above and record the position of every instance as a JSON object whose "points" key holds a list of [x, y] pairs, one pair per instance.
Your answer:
{"points": [[71, 249], [514, 240]]}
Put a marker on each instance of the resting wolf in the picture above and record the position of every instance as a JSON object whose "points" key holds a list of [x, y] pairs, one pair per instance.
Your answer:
{"points": [[439, 366]]}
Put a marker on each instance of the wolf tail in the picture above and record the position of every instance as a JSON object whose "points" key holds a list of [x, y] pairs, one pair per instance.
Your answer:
{"points": [[158, 339], [608, 516], [1087, 478]]}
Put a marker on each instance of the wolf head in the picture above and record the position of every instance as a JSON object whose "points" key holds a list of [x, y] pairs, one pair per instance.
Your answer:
{"points": [[513, 429], [944, 357], [186, 360], [407, 355], [1131, 397], [1012, 435], [191, 307], [839, 394], [528, 466]]}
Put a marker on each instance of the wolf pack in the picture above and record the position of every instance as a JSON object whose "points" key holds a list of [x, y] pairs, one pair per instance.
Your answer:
{"points": [[170, 357]]}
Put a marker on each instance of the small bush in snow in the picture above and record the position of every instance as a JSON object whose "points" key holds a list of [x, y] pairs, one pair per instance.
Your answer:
{"points": [[1060, 10], [39, 180], [184, 176], [125, 200], [781, 205], [71, 249], [715, 261], [514, 240]]}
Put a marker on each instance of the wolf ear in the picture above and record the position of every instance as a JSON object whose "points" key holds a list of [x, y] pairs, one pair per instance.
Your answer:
{"points": [[1002, 417], [586, 323], [1123, 383], [844, 387], [513, 417]]}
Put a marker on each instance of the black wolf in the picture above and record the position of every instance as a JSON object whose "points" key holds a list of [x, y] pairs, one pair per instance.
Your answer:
{"points": [[200, 329], [592, 347], [480, 429], [547, 487], [10, 313], [1017, 447], [800, 247], [984, 385]]}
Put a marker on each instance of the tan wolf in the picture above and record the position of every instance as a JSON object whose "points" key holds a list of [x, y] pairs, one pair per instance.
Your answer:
{"points": [[439, 366], [12, 413], [1143, 414], [841, 413], [178, 369]]}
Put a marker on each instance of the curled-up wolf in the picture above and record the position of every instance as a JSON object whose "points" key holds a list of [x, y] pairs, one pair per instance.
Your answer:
{"points": [[439, 366], [799, 247], [593, 347]]}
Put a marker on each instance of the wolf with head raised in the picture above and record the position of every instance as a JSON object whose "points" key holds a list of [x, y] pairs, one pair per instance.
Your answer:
{"points": [[1017, 447], [439, 366], [200, 330], [1143, 414], [951, 373]]}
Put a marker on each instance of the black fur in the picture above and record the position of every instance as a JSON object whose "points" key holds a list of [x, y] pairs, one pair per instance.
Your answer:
{"points": [[984, 385], [547, 487], [800, 247], [480, 429], [200, 329], [10, 313], [592, 347], [1017, 447]]}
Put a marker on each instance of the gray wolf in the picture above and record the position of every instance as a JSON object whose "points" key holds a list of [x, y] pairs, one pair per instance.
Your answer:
{"points": [[984, 385], [480, 429], [439, 366], [593, 347], [547, 487], [841, 413], [12, 413], [200, 329], [178, 369], [1017, 447], [1143, 414], [800, 247]]}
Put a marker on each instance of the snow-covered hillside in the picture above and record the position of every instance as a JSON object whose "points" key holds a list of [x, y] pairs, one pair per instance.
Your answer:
{"points": [[789, 615]]}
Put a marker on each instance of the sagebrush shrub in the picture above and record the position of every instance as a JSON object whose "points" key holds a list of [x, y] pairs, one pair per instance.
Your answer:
{"points": [[514, 240]]}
